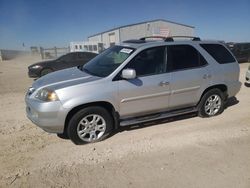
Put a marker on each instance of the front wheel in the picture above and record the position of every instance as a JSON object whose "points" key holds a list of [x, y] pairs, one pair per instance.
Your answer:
{"points": [[90, 124], [211, 104]]}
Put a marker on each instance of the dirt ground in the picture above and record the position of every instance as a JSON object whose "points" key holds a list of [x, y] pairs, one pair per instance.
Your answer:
{"points": [[186, 151]]}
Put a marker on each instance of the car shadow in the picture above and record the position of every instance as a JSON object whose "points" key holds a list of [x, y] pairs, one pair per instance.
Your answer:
{"points": [[230, 102], [247, 84]]}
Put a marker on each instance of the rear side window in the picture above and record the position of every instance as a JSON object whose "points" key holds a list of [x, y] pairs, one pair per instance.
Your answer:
{"points": [[219, 53], [81, 55], [69, 57], [90, 55], [183, 57]]}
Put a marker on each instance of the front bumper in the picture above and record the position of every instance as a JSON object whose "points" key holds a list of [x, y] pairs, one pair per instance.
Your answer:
{"points": [[248, 76], [50, 116]]}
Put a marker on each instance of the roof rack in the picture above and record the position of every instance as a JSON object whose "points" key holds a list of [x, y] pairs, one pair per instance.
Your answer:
{"points": [[193, 38], [169, 39], [153, 37], [166, 39], [137, 41]]}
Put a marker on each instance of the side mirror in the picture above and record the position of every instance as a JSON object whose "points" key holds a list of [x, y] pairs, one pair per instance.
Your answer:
{"points": [[128, 74]]}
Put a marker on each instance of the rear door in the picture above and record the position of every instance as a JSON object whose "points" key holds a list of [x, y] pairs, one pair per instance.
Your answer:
{"points": [[190, 75], [68, 60], [84, 57], [230, 69], [89, 56], [81, 58]]}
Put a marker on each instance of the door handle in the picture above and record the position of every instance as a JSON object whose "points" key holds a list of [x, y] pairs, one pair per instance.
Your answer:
{"points": [[163, 83]]}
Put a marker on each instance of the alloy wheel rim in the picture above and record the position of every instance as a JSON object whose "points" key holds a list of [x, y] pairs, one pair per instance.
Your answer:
{"points": [[213, 105], [91, 127]]}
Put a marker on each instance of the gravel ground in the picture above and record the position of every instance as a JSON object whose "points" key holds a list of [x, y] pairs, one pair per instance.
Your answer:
{"points": [[185, 151]]}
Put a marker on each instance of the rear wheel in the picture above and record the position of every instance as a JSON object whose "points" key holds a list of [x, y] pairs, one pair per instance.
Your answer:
{"points": [[211, 104], [89, 125], [45, 71]]}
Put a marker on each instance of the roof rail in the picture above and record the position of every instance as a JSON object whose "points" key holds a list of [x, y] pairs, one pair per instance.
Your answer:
{"points": [[134, 41], [166, 39], [193, 38], [153, 37]]}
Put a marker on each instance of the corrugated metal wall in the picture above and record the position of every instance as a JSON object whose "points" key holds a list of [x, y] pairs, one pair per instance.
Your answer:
{"points": [[141, 30], [107, 38], [152, 28]]}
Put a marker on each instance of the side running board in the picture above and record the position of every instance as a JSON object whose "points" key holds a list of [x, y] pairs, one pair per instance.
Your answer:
{"points": [[154, 117]]}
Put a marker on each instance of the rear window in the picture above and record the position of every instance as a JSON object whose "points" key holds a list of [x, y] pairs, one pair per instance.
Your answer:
{"points": [[219, 53]]}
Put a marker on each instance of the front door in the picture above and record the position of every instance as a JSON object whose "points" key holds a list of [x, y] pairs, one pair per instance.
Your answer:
{"points": [[149, 92]]}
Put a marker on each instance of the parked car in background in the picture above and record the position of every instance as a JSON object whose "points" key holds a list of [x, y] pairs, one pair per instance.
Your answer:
{"points": [[65, 61], [241, 51], [132, 83], [248, 75]]}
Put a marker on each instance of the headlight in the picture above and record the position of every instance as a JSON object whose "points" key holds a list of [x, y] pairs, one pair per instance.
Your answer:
{"points": [[46, 95], [36, 67]]}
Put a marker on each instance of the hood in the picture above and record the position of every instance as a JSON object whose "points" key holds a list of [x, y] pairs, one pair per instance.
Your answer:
{"points": [[42, 63], [64, 78]]}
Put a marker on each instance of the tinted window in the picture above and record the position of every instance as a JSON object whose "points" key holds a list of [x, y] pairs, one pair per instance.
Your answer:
{"points": [[90, 55], [81, 55], [183, 57], [148, 62], [69, 57], [219, 53]]}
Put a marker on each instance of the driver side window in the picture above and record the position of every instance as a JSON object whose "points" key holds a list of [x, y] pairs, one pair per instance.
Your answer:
{"points": [[149, 62], [69, 57]]}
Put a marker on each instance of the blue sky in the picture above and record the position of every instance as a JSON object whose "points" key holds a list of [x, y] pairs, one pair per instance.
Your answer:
{"points": [[50, 23]]}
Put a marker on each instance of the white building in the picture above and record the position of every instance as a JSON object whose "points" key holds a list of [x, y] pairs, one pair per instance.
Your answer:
{"points": [[157, 27], [90, 46]]}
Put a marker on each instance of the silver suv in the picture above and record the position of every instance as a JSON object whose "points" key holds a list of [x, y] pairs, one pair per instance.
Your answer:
{"points": [[134, 82]]}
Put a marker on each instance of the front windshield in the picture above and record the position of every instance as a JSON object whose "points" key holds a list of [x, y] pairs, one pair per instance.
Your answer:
{"points": [[105, 63]]}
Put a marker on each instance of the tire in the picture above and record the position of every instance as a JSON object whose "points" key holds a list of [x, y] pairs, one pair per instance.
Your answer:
{"points": [[45, 71], [212, 103], [91, 124]]}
